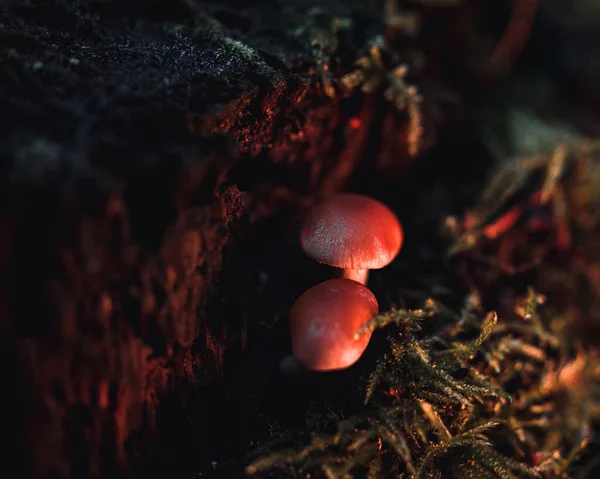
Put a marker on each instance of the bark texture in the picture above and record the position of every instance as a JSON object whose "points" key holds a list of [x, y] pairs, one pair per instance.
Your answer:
{"points": [[139, 141]]}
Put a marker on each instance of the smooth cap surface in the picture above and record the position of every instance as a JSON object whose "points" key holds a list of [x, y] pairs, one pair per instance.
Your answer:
{"points": [[352, 232], [323, 322]]}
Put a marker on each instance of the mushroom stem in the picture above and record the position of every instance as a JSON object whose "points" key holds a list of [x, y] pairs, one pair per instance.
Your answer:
{"points": [[359, 275]]}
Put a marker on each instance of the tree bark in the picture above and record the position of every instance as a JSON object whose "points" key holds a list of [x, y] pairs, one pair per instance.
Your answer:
{"points": [[138, 139]]}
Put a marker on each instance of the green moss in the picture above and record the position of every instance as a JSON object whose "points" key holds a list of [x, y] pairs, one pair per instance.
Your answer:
{"points": [[236, 50], [474, 399]]}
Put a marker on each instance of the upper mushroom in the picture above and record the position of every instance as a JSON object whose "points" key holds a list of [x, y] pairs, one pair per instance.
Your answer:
{"points": [[352, 232], [324, 320]]}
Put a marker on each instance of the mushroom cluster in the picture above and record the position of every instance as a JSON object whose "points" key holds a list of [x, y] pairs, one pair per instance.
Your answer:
{"points": [[354, 233]]}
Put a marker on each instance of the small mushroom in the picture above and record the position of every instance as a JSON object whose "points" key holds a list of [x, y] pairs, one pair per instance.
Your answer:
{"points": [[352, 232], [323, 322]]}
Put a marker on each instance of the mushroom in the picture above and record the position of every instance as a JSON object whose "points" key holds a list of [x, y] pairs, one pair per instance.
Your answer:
{"points": [[352, 232], [324, 320]]}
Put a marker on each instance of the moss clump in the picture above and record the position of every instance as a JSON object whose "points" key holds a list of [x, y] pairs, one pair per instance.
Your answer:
{"points": [[474, 398]]}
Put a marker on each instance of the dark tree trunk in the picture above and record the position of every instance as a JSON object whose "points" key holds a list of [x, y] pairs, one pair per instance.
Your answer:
{"points": [[139, 141]]}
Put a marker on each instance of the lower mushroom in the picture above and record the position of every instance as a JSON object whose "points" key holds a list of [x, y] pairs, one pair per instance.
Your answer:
{"points": [[323, 322]]}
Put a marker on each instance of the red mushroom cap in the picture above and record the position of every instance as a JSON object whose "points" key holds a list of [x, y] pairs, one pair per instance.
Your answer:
{"points": [[323, 322], [352, 232]]}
